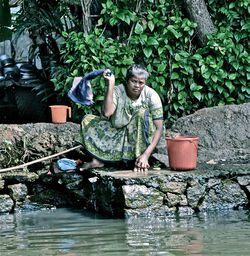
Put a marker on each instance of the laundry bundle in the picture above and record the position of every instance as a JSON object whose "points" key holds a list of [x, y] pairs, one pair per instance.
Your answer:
{"points": [[81, 91]]}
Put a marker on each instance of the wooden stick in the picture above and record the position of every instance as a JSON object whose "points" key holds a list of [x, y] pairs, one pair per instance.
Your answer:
{"points": [[39, 160]]}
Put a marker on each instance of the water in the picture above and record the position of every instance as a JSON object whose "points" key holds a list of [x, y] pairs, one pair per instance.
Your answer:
{"points": [[68, 232]]}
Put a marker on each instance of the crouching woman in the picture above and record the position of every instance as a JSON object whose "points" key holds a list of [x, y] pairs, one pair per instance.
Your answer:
{"points": [[131, 125]]}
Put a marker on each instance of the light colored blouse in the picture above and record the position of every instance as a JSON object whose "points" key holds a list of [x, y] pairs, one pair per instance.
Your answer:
{"points": [[126, 108]]}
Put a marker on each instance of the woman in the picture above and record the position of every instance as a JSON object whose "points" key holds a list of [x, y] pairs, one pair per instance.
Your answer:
{"points": [[131, 125]]}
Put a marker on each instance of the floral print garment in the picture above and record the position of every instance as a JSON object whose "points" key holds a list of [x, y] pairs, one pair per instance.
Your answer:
{"points": [[129, 131]]}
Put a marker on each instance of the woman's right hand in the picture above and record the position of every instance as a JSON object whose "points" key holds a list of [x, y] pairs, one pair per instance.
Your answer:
{"points": [[108, 107]]}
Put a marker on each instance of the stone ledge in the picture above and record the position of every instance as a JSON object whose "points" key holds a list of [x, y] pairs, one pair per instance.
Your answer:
{"points": [[166, 192], [124, 193]]}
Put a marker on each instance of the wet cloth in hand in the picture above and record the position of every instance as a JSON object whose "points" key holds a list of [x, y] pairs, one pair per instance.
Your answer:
{"points": [[81, 91]]}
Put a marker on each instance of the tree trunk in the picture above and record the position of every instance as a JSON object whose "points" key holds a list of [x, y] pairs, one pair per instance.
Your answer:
{"points": [[86, 20], [197, 11]]}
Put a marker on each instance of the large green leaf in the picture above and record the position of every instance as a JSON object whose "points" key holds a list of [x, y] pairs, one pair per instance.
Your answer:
{"points": [[197, 95], [151, 25], [113, 21], [138, 28], [152, 41], [162, 67], [160, 50], [147, 52], [232, 76], [174, 75]]}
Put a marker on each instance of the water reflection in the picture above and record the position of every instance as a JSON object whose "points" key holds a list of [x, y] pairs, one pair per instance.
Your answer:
{"points": [[178, 235], [67, 232]]}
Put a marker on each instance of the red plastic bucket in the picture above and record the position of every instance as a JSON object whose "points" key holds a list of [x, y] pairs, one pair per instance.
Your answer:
{"points": [[182, 152]]}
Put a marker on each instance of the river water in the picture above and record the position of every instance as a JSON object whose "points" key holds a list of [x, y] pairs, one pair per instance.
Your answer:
{"points": [[69, 232]]}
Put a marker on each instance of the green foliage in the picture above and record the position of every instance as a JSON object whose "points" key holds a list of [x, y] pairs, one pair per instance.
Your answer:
{"points": [[229, 45], [80, 57], [158, 35]]}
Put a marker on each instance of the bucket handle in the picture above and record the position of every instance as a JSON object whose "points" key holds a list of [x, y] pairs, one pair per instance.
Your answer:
{"points": [[191, 141], [69, 109]]}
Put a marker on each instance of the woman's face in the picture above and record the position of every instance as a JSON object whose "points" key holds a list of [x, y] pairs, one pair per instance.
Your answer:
{"points": [[135, 86]]}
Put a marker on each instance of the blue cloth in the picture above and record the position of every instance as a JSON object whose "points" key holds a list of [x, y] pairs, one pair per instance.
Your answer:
{"points": [[66, 164], [81, 92]]}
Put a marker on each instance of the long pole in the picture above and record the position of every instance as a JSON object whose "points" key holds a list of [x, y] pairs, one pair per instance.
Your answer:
{"points": [[39, 160]]}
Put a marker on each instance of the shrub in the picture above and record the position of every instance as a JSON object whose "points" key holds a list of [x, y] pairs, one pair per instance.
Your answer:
{"points": [[159, 36]]}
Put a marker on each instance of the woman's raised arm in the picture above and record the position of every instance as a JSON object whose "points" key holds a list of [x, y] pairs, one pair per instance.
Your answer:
{"points": [[108, 107]]}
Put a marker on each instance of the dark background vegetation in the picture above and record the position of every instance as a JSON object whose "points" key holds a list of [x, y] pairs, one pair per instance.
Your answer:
{"points": [[189, 74]]}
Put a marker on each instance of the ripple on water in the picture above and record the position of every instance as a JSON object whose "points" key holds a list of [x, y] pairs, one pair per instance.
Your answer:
{"points": [[74, 232]]}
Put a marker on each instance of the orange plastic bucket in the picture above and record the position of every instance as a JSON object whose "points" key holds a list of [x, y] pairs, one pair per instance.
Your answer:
{"points": [[182, 152], [59, 113]]}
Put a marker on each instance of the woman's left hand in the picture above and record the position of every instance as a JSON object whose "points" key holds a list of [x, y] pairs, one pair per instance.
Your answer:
{"points": [[141, 164]]}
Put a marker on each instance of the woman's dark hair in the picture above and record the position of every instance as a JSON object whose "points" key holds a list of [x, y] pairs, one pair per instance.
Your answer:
{"points": [[135, 70]]}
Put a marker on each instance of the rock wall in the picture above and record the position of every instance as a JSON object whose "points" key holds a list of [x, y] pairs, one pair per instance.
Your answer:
{"points": [[223, 135], [224, 132], [167, 192], [27, 142], [125, 193]]}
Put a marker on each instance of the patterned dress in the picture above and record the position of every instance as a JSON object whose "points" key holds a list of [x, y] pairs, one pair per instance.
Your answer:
{"points": [[128, 132]]}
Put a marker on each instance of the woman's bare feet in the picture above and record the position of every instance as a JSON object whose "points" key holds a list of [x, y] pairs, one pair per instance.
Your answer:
{"points": [[54, 168], [95, 163]]}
